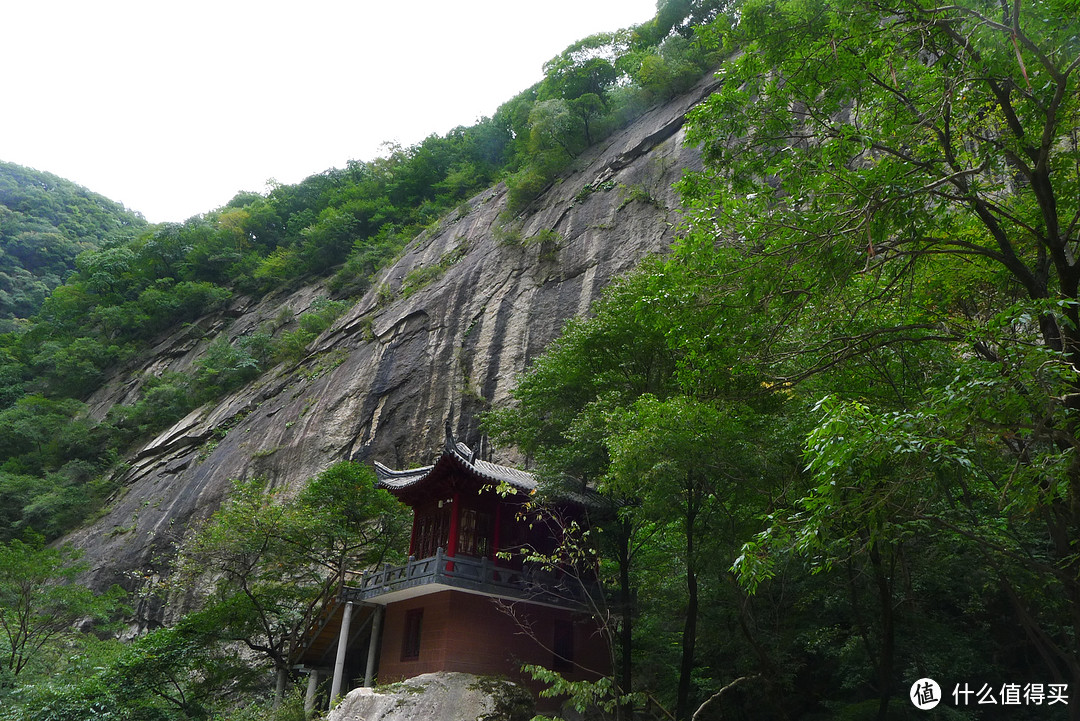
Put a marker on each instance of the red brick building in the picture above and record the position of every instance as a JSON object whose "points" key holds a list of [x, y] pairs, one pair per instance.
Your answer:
{"points": [[468, 599]]}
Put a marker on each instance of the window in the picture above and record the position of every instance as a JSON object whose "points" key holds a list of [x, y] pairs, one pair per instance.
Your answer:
{"points": [[475, 532], [563, 646], [410, 642], [432, 530]]}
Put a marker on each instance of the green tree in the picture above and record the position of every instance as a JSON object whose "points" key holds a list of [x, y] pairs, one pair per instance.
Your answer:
{"points": [[224, 366], [40, 602], [551, 128], [276, 559], [691, 463], [587, 108], [643, 404], [895, 189], [177, 672], [585, 67], [169, 674]]}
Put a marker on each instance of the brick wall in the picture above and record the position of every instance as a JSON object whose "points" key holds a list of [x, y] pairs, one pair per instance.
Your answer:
{"points": [[470, 633]]}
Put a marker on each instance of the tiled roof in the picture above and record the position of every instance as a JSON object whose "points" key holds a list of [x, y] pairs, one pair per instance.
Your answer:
{"points": [[389, 478], [461, 454], [522, 480]]}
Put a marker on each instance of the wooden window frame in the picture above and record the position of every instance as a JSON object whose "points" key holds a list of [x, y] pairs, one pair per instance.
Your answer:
{"points": [[410, 637]]}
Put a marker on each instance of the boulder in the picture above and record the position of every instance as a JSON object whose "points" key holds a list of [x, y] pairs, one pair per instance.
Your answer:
{"points": [[442, 696]]}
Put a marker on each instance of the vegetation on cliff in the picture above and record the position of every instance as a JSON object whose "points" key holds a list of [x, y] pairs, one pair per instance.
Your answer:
{"points": [[123, 293], [343, 225], [836, 427], [841, 416]]}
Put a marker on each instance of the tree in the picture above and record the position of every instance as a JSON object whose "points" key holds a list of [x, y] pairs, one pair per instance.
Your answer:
{"points": [[551, 128], [350, 524], [584, 67], [560, 419], [689, 462], [179, 673], [266, 593], [891, 195], [277, 559], [587, 107], [176, 672], [640, 404], [40, 601], [905, 134]]}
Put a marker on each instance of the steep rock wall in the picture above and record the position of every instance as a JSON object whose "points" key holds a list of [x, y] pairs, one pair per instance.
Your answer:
{"points": [[381, 382]]}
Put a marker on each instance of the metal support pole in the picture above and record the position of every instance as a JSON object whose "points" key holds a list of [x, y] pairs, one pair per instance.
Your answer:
{"points": [[373, 645], [342, 644]]}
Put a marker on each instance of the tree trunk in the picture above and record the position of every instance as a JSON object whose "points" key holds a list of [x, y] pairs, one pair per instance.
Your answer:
{"points": [[279, 688], [689, 636], [626, 628], [888, 634]]}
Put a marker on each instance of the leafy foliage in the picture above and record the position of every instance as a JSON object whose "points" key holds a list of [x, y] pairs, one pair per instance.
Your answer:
{"points": [[858, 367], [45, 222], [275, 559], [272, 561], [898, 186], [40, 603], [170, 674]]}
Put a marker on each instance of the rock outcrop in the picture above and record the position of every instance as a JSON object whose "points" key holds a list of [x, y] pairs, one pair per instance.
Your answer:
{"points": [[440, 696], [380, 383]]}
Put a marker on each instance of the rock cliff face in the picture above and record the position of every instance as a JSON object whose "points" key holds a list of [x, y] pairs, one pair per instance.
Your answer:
{"points": [[380, 383]]}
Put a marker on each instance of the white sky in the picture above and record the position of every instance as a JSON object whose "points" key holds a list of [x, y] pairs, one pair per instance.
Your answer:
{"points": [[171, 108]]}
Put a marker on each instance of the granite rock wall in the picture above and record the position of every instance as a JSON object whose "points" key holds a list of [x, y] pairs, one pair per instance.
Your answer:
{"points": [[382, 381]]}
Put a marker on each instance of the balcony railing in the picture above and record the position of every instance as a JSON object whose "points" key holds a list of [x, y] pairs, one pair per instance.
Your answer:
{"points": [[532, 583]]}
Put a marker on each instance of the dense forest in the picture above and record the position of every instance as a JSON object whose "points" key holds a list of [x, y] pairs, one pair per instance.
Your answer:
{"points": [[45, 223], [834, 429]]}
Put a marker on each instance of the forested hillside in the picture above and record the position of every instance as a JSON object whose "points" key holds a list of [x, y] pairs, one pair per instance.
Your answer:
{"points": [[341, 226], [286, 299], [841, 417], [831, 431], [45, 222]]}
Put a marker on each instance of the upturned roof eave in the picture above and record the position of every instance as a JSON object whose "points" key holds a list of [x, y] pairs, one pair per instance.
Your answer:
{"points": [[461, 456]]}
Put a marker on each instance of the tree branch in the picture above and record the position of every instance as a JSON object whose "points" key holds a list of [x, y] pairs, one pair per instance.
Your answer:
{"points": [[720, 693]]}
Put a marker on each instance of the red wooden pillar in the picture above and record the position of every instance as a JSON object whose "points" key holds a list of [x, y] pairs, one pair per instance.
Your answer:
{"points": [[498, 528], [455, 523], [412, 536]]}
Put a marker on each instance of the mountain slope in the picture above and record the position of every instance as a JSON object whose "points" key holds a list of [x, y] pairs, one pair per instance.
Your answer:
{"points": [[45, 221], [442, 335]]}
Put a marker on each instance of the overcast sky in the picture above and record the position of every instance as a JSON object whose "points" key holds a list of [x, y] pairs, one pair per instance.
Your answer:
{"points": [[171, 108]]}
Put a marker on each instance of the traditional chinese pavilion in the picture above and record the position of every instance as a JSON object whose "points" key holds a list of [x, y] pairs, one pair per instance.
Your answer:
{"points": [[468, 599]]}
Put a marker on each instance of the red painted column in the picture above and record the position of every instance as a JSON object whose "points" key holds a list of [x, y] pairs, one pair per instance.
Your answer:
{"points": [[455, 522], [498, 528], [412, 536]]}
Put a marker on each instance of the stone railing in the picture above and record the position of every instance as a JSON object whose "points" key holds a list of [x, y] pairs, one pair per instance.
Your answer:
{"points": [[531, 583]]}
